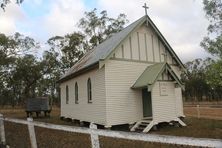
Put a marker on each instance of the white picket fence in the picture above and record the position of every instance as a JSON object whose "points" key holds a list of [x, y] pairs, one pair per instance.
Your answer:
{"points": [[94, 133]]}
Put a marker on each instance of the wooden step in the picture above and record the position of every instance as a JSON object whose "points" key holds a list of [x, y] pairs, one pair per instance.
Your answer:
{"points": [[140, 129], [146, 121], [142, 126]]}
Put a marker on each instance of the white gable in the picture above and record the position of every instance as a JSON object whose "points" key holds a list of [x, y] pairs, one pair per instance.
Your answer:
{"points": [[143, 45]]}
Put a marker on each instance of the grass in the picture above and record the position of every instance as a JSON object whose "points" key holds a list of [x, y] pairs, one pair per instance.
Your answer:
{"points": [[198, 128], [17, 135]]}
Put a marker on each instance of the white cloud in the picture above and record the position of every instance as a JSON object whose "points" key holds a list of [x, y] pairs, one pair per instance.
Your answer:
{"points": [[63, 16], [9, 18], [183, 23]]}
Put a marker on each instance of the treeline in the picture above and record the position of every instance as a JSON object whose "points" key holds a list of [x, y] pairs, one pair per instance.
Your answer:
{"points": [[203, 80], [27, 72]]}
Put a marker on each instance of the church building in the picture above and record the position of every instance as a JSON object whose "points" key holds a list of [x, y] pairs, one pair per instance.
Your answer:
{"points": [[133, 77]]}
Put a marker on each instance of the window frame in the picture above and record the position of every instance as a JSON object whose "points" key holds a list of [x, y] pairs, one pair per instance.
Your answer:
{"points": [[89, 90], [76, 93], [67, 94]]}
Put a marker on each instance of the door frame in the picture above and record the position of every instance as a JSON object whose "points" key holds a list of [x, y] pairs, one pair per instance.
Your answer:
{"points": [[149, 106]]}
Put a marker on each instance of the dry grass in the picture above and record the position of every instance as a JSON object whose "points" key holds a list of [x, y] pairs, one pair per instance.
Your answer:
{"points": [[205, 112], [17, 136], [48, 138]]}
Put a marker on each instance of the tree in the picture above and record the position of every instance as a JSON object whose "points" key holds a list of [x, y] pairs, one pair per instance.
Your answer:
{"points": [[94, 30], [12, 47], [196, 86], [98, 28], [4, 3], [214, 78], [12, 50], [70, 47], [213, 42]]}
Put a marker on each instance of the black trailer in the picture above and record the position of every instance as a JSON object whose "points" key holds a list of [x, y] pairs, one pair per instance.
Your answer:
{"points": [[38, 105]]}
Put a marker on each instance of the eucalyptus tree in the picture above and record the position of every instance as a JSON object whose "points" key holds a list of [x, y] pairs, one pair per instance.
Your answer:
{"points": [[94, 28], [213, 42]]}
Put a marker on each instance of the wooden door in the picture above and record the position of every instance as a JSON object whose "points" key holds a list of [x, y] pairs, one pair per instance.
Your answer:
{"points": [[147, 104]]}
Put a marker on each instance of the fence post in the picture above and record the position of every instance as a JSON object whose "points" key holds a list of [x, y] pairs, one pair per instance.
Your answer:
{"points": [[94, 137], [198, 111], [2, 130], [32, 133]]}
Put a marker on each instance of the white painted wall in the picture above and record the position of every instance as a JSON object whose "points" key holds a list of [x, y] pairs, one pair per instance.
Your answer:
{"points": [[164, 107], [179, 102], [145, 47], [124, 105], [91, 112]]}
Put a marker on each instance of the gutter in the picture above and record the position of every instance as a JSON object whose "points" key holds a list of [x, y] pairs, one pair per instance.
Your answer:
{"points": [[81, 71]]}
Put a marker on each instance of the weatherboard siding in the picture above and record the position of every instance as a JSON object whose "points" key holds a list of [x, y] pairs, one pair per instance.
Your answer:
{"points": [[123, 104], [143, 44], [84, 111], [164, 107], [177, 71], [179, 102]]}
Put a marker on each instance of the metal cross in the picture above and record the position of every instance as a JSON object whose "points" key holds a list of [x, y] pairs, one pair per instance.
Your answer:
{"points": [[145, 7]]}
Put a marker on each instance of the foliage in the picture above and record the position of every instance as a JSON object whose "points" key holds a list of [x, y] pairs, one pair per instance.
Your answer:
{"points": [[214, 74], [99, 28], [4, 3], [71, 47], [203, 80], [213, 42], [24, 75], [94, 30]]}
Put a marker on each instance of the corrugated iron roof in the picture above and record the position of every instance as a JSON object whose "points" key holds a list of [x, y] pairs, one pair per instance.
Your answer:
{"points": [[151, 74], [103, 49]]}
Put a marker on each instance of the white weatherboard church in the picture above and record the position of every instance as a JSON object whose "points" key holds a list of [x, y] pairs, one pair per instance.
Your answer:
{"points": [[131, 78]]}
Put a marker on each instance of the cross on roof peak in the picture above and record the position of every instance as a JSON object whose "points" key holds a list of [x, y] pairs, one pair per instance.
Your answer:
{"points": [[145, 7]]}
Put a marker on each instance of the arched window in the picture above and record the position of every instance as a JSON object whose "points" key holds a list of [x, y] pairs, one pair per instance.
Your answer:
{"points": [[67, 94], [76, 94], [89, 90]]}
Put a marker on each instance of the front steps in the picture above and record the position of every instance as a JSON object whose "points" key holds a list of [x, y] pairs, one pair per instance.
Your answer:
{"points": [[143, 126], [146, 125]]}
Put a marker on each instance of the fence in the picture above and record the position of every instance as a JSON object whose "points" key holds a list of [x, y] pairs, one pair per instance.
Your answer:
{"points": [[94, 133]]}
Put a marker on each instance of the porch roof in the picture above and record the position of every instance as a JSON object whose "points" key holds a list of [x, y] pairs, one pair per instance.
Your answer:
{"points": [[152, 73]]}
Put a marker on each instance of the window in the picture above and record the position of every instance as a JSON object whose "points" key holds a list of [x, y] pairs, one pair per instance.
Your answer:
{"points": [[67, 94], [76, 94], [89, 90]]}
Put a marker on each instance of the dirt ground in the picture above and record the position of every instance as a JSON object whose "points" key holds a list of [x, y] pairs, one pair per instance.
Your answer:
{"points": [[17, 134]]}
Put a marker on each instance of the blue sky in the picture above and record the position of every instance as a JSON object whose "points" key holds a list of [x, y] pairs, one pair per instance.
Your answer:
{"points": [[183, 23]]}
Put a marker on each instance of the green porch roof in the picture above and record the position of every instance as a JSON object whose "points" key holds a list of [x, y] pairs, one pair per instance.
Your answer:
{"points": [[152, 73]]}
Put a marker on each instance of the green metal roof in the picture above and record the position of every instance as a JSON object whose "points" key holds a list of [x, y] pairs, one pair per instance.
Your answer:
{"points": [[107, 48], [152, 73]]}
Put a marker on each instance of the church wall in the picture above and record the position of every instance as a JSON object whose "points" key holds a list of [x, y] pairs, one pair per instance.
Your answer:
{"points": [[143, 45], [84, 111], [123, 104], [164, 105]]}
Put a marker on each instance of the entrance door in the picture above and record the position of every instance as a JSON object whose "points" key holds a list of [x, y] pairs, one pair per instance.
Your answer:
{"points": [[147, 105]]}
